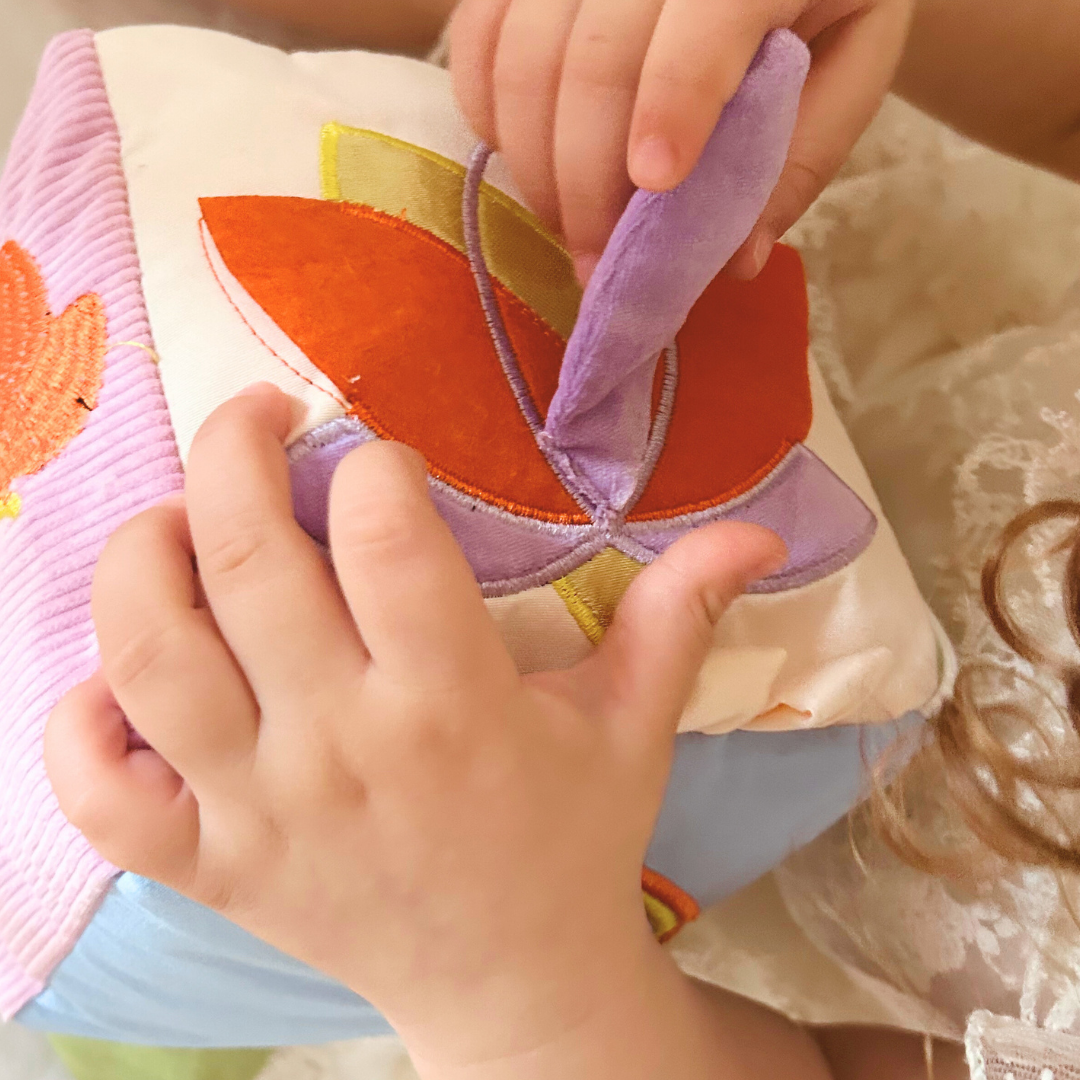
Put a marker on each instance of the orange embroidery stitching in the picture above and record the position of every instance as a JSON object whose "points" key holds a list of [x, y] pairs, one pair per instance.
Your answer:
{"points": [[456, 482], [51, 369], [346, 284], [733, 493], [679, 907], [251, 329]]}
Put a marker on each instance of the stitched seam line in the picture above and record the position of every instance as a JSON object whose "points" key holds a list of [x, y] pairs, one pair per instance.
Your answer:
{"points": [[732, 493], [203, 230], [365, 417]]}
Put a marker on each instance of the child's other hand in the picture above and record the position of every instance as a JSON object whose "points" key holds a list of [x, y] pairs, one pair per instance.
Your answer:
{"points": [[586, 98], [353, 769]]}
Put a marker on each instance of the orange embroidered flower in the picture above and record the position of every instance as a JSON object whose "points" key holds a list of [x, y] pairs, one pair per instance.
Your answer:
{"points": [[51, 368]]}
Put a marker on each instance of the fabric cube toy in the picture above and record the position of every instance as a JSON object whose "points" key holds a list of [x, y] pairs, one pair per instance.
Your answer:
{"points": [[183, 214]]}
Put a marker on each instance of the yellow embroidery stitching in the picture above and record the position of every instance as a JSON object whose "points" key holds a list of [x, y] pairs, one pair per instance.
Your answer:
{"points": [[10, 505], [662, 919], [426, 189], [592, 592], [583, 614]]}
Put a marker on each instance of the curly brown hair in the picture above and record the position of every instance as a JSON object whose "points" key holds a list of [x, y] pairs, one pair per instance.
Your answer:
{"points": [[1011, 793]]}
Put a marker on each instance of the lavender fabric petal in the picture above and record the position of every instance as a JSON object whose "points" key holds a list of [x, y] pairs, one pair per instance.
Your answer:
{"points": [[665, 250], [507, 553], [312, 461], [823, 522]]}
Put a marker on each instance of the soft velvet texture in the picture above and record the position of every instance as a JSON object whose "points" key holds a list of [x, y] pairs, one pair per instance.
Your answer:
{"points": [[664, 252]]}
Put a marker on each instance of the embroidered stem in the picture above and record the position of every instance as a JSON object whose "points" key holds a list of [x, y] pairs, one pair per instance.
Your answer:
{"points": [[661, 422], [470, 219]]}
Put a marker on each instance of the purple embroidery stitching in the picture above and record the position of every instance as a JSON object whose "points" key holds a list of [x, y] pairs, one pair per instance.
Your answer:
{"points": [[583, 495], [497, 542], [823, 522], [470, 216], [661, 423]]}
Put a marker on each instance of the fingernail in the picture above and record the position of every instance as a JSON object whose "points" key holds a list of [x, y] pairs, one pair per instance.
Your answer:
{"points": [[750, 259], [653, 164], [771, 563], [584, 265], [298, 410], [760, 251], [255, 389]]}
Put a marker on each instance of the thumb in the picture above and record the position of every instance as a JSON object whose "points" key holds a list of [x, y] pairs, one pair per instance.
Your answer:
{"points": [[643, 672]]}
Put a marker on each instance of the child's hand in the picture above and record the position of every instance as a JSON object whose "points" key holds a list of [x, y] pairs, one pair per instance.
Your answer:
{"points": [[353, 769], [586, 98]]}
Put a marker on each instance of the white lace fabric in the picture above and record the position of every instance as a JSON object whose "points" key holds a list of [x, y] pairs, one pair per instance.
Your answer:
{"points": [[1000, 1048], [947, 311]]}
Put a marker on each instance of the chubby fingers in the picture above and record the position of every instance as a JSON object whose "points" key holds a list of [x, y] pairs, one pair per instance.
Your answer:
{"points": [[528, 70], [161, 651], [699, 54], [854, 61], [406, 581], [507, 60], [643, 672], [643, 89], [475, 29], [599, 85], [585, 98], [130, 804], [272, 595]]}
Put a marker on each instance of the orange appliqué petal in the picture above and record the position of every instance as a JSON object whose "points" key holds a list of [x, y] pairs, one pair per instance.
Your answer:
{"points": [[51, 369], [743, 396], [392, 316]]}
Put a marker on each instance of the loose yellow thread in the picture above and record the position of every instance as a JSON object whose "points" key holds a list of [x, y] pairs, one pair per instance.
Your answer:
{"points": [[152, 353]]}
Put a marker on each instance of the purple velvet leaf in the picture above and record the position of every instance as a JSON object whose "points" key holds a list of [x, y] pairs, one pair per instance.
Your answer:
{"points": [[312, 461], [507, 552], [824, 524], [664, 252]]}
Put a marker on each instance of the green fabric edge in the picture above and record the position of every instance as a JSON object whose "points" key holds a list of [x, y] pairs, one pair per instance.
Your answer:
{"points": [[92, 1059]]}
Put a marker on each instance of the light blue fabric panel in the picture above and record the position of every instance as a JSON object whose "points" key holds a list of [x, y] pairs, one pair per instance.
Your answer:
{"points": [[739, 804], [155, 968]]}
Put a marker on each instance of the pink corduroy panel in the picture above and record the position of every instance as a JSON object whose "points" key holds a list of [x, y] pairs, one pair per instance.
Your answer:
{"points": [[63, 197]]}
